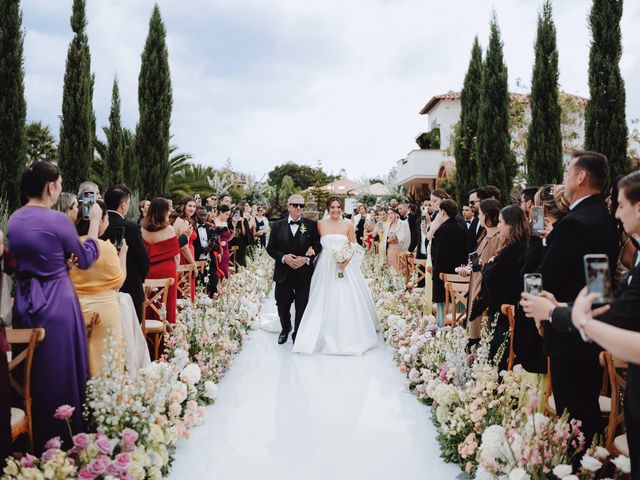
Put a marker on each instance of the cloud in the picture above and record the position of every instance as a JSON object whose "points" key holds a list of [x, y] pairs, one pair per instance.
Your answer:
{"points": [[268, 81]]}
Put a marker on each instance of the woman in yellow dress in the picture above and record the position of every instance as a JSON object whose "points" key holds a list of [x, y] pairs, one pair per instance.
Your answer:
{"points": [[379, 231], [97, 289]]}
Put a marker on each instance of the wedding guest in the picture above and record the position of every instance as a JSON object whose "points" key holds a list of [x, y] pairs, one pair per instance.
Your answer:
{"points": [[89, 187], [262, 227], [118, 200], [527, 200], [489, 246], [68, 204], [494, 192], [221, 220], [143, 208], [448, 250], [42, 240], [501, 279], [243, 234], [379, 232], [169, 200], [588, 228], [212, 203], [205, 248], [398, 238], [467, 214], [198, 200], [475, 230], [359, 220], [393, 203], [185, 224], [163, 249], [627, 247], [5, 387], [436, 198], [97, 288]]}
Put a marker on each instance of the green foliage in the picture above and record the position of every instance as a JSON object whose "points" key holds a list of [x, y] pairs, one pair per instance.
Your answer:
{"points": [[303, 176], [155, 102], [496, 162], [40, 143], [605, 123], [465, 146], [191, 179], [130, 163], [77, 125], [429, 140], [113, 172], [13, 108], [367, 199], [219, 183], [544, 141]]}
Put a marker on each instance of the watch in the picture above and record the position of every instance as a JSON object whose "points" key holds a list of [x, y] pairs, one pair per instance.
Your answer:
{"points": [[581, 326]]}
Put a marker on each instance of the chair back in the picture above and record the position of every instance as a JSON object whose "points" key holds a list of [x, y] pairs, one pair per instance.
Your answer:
{"points": [[509, 311], [30, 337], [233, 265], [201, 266], [417, 266], [185, 274], [618, 384], [449, 304], [156, 292], [456, 293]]}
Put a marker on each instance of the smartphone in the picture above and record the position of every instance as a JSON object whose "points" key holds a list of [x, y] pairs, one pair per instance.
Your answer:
{"points": [[598, 277], [475, 261], [537, 220], [118, 237], [88, 199], [533, 283]]}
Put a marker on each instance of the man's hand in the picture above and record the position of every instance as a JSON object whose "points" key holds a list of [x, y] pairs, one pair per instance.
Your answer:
{"points": [[310, 252], [536, 307], [289, 259], [300, 262], [582, 307]]}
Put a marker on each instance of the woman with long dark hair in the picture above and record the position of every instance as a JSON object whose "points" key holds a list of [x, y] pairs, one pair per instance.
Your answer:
{"points": [[185, 224]]}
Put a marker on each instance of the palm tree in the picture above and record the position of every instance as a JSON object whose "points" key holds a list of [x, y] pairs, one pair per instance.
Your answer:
{"points": [[191, 179], [40, 143], [178, 162]]}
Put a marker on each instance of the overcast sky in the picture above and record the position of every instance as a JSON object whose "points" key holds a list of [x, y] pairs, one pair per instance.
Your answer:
{"points": [[264, 82]]}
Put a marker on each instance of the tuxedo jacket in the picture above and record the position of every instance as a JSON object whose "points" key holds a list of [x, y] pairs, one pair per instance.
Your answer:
{"points": [[197, 247], [283, 242], [416, 237], [588, 228], [137, 257], [472, 235], [448, 251], [623, 314]]}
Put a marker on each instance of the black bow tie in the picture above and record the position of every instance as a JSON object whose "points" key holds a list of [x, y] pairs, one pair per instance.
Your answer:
{"points": [[293, 222]]}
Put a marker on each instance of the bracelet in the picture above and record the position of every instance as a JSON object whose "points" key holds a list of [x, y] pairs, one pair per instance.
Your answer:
{"points": [[581, 326]]}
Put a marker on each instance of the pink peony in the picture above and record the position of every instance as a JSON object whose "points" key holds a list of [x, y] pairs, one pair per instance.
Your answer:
{"points": [[63, 412], [85, 474], [122, 462], [104, 445], [81, 440], [54, 442], [27, 461]]}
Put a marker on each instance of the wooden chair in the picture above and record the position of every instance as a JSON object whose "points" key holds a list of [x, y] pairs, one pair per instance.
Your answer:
{"points": [[510, 312], [618, 385], [21, 419], [201, 266], [156, 292], [185, 274], [417, 266], [403, 261], [233, 265], [455, 280]]}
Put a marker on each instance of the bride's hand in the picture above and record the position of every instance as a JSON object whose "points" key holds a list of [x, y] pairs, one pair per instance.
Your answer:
{"points": [[310, 253], [344, 264]]}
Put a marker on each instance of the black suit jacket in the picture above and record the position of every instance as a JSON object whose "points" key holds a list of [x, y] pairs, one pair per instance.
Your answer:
{"points": [[137, 257], [472, 235], [588, 228], [416, 236], [623, 314], [448, 251], [282, 242], [197, 247]]}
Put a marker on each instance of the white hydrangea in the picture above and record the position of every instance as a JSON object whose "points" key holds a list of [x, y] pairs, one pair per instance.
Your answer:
{"points": [[210, 390], [191, 374], [493, 442]]}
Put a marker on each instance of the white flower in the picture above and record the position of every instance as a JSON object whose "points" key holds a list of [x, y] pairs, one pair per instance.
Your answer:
{"points": [[571, 477], [493, 442], [210, 390], [191, 374], [562, 470], [519, 474], [538, 420], [601, 453], [622, 463], [591, 463]]}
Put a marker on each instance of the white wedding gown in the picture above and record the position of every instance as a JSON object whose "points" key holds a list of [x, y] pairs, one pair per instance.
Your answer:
{"points": [[340, 317]]}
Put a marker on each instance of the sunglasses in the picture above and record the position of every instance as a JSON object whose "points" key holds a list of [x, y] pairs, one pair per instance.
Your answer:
{"points": [[297, 205], [472, 203]]}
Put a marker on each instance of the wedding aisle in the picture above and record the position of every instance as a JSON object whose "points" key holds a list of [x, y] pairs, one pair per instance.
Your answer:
{"points": [[283, 416]]}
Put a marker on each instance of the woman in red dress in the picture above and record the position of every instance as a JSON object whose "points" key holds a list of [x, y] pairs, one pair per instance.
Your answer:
{"points": [[185, 225], [164, 252], [222, 220]]}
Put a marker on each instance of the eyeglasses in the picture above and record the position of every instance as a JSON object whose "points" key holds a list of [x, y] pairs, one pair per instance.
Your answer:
{"points": [[297, 205], [472, 203]]}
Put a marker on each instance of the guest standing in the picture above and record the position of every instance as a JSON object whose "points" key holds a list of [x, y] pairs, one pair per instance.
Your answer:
{"points": [[262, 227], [359, 221], [398, 238], [161, 243], [143, 208], [221, 220], [42, 240], [185, 225], [68, 204], [97, 288]]}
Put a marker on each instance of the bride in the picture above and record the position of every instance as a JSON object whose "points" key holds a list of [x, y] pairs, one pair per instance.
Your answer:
{"points": [[340, 317]]}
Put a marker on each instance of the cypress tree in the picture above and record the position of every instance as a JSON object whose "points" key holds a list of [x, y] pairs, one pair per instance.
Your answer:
{"points": [[605, 120], [130, 164], [13, 108], [544, 139], [113, 160], [465, 143], [496, 162], [154, 104], [77, 126]]}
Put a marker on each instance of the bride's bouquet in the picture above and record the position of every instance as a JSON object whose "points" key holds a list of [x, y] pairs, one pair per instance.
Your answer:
{"points": [[342, 255]]}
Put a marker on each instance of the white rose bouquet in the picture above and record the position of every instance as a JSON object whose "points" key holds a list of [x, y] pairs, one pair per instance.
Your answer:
{"points": [[342, 255]]}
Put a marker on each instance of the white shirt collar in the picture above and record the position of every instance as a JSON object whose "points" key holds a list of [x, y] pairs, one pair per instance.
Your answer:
{"points": [[115, 211], [292, 220], [578, 202]]}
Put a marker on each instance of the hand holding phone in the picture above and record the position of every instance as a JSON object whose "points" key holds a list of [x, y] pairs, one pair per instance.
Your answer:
{"points": [[598, 278], [88, 200], [474, 259], [533, 283], [537, 220]]}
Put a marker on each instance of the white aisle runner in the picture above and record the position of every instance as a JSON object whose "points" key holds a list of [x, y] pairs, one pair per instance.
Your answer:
{"points": [[282, 416]]}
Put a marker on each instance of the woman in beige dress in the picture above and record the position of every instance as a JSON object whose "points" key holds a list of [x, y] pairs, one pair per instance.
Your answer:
{"points": [[398, 238]]}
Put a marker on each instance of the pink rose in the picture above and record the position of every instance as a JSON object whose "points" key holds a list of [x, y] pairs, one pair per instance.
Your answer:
{"points": [[112, 470], [63, 412], [85, 474], [129, 436], [81, 440], [105, 445], [54, 442], [27, 461], [48, 455], [99, 465], [122, 461]]}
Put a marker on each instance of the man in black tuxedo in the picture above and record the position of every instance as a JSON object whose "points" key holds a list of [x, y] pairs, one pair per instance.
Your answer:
{"points": [[576, 374], [204, 245], [474, 230], [289, 245], [118, 199]]}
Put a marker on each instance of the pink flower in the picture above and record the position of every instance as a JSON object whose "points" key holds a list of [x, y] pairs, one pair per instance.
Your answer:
{"points": [[105, 445], [81, 441], [129, 436], [54, 442], [85, 474], [99, 465], [63, 412], [113, 470], [48, 455], [27, 461], [122, 461]]}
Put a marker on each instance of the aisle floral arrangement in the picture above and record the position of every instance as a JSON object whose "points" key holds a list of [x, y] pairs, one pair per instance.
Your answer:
{"points": [[138, 419], [488, 422]]}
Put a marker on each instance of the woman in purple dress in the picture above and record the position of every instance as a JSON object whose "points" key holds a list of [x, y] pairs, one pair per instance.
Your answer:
{"points": [[42, 241]]}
